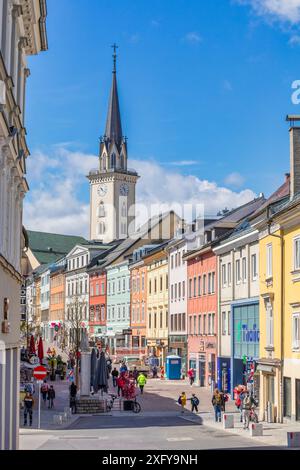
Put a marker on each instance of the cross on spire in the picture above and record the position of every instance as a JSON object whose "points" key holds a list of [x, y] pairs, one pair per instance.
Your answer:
{"points": [[115, 47]]}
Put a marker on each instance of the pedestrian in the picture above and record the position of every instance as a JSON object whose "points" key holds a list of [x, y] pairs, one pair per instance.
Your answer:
{"points": [[115, 375], [123, 367], [73, 393], [191, 374], [162, 373], [121, 384], [194, 402], [44, 390], [217, 404], [51, 396], [239, 396], [182, 401], [135, 374], [141, 381], [224, 400], [247, 403], [28, 407], [154, 372]]}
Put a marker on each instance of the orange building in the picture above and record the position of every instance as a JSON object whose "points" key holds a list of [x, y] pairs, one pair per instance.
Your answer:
{"points": [[57, 302], [138, 308]]}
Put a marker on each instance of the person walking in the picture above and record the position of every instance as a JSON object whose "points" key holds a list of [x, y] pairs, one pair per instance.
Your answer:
{"points": [[51, 396], [73, 393], [162, 373], [44, 391], [28, 407], [247, 403], [217, 404], [154, 372], [224, 400], [121, 384], [141, 381], [115, 375], [195, 403], [135, 374], [191, 374], [182, 401]]}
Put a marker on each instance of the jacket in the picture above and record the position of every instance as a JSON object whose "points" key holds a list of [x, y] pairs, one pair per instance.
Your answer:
{"points": [[51, 393], [141, 380]]}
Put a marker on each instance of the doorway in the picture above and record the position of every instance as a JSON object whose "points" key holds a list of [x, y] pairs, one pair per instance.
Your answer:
{"points": [[297, 400], [202, 371], [287, 397]]}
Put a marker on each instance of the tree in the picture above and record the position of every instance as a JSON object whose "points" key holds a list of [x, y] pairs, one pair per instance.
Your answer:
{"points": [[76, 316]]}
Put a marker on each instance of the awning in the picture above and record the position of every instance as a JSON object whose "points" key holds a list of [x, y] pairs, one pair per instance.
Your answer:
{"points": [[265, 368]]}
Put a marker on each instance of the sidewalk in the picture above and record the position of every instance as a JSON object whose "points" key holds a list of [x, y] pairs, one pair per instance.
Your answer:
{"points": [[274, 434]]}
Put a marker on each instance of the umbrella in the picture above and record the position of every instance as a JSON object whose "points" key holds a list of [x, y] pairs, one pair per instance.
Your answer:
{"points": [[41, 350], [93, 366], [32, 346], [101, 382]]}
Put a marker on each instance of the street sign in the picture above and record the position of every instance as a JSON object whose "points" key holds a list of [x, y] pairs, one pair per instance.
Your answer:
{"points": [[40, 373]]}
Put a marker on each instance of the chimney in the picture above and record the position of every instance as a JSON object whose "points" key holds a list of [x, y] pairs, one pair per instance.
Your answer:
{"points": [[294, 155]]}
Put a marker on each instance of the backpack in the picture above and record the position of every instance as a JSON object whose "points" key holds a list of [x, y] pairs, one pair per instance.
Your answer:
{"points": [[196, 401], [179, 400], [44, 389]]}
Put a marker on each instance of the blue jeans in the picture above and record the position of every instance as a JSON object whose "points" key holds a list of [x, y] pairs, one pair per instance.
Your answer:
{"points": [[217, 413]]}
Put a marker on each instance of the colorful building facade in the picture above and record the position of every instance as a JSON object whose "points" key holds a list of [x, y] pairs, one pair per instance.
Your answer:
{"points": [[138, 308], [157, 303], [97, 318], [202, 310]]}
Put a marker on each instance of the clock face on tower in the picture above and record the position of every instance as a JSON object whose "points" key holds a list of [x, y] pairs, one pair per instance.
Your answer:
{"points": [[102, 190], [124, 189]]}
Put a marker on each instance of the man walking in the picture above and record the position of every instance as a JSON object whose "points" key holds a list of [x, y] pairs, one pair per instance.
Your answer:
{"points": [[51, 396], [217, 404], [191, 374], [28, 407], [195, 403], [115, 375], [247, 403], [141, 380], [73, 393]]}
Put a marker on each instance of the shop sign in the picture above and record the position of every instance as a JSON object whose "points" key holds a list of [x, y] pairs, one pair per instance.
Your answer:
{"points": [[201, 346]]}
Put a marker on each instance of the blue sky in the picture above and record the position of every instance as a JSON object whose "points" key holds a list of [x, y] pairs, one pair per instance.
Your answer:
{"points": [[204, 89]]}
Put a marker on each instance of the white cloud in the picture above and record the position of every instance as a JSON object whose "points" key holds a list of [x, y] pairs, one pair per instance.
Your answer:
{"points": [[294, 40], [280, 10], [56, 203], [192, 37], [234, 179], [185, 163]]}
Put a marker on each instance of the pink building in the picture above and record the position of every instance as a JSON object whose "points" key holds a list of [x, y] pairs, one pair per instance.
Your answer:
{"points": [[202, 309]]}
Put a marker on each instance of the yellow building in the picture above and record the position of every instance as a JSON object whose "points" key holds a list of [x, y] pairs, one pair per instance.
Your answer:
{"points": [[157, 302], [278, 222]]}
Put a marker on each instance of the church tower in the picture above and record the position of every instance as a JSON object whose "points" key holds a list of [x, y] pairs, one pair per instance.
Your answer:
{"points": [[112, 186]]}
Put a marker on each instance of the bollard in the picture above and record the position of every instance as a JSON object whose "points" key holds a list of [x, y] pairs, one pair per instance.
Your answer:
{"points": [[293, 439], [256, 429], [228, 421]]}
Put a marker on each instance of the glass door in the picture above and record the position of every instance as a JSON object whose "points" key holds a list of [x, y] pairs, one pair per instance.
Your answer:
{"points": [[287, 397]]}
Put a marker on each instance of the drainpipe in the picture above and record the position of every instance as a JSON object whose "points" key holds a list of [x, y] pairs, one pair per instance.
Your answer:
{"points": [[269, 222]]}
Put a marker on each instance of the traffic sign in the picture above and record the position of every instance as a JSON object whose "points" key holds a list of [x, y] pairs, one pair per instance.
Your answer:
{"points": [[40, 373]]}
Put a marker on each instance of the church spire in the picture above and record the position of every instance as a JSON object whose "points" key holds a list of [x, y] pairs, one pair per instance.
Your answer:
{"points": [[113, 130]]}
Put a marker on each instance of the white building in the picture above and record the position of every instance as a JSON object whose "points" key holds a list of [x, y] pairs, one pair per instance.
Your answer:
{"points": [[238, 309], [45, 304], [22, 33], [177, 268], [77, 287]]}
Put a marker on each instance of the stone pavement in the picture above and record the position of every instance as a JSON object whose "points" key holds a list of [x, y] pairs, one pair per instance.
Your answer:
{"points": [[159, 403]]}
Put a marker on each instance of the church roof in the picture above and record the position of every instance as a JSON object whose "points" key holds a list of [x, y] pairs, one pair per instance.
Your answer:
{"points": [[113, 130]]}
